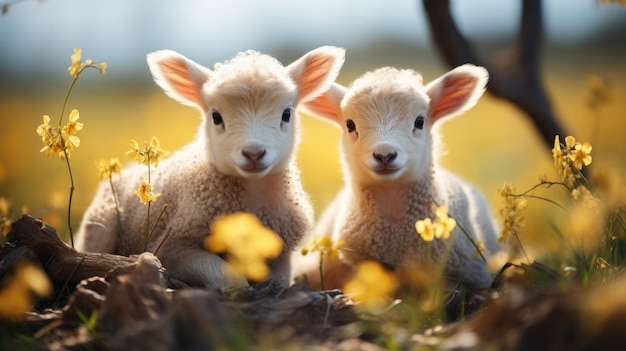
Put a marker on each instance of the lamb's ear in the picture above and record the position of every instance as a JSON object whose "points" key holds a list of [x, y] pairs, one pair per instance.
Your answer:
{"points": [[327, 105], [456, 91], [314, 72], [179, 77]]}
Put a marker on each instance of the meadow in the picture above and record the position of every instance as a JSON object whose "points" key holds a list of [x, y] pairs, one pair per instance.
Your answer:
{"points": [[489, 145]]}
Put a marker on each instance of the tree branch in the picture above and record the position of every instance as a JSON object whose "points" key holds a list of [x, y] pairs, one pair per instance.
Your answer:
{"points": [[519, 81]]}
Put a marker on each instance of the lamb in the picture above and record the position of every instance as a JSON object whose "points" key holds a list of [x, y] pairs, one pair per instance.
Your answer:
{"points": [[242, 160], [392, 178]]}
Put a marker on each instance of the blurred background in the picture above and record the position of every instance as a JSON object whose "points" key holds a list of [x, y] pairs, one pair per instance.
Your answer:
{"points": [[490, 144]]}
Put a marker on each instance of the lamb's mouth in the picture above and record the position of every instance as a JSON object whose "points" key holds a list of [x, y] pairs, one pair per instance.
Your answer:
{"points": [[254, 168], [386, 170]]}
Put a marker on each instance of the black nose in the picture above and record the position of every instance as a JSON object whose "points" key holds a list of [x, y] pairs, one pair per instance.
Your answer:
{"points": [[385, 159], [254, 155]]}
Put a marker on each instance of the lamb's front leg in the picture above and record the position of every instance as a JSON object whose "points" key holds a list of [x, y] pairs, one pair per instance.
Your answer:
{"points": [[99, 230], [199, 267]]}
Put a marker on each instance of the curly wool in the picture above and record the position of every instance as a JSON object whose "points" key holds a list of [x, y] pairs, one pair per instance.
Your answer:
{"points": [[196, 193]]}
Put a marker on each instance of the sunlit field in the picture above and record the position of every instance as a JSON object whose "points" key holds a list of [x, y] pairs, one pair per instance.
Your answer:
{"points": [[565, 231], [490, 144]]}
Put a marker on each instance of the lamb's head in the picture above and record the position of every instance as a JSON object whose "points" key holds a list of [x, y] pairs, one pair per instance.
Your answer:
{"points": [[248, 103], [388, 115]]}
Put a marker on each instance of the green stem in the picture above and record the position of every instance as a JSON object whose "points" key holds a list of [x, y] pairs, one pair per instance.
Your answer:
{"points": [[119, 218], [145, 245], [67, 97], [69, 206], [471, 240], [519, 242], [145, 242]]}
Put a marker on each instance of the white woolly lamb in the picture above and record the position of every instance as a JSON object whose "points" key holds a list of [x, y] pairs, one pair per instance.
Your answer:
{"points": [[242, 160], [389, 121]]}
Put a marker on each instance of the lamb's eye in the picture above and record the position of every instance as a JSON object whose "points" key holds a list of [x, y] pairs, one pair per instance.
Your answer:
{"points": [[419, 122], [217, 118], [286, 115], [350, 125]]}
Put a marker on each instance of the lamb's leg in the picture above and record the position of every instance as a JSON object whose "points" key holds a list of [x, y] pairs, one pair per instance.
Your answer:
{"points": [[199, 267], [99, 230]]}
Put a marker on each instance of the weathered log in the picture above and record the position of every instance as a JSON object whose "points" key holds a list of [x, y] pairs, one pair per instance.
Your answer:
{"points": [[32, 238]]}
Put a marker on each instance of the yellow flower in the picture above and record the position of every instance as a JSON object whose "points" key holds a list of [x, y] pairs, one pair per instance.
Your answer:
{"points": [[247, 243], [72, 125], [372, 286], [325, 245], [77, 67], [69, 131], [440, 228], [144, 192], [56, 139], [425, 229], [570, 142], [444, 224], [106, 168], [18, 290], [511, 212], [51, 137], [580, 155], [573, 156], [150, 155], [557, 153]]}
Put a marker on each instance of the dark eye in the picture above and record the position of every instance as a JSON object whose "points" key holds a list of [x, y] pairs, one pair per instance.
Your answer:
{"points": [[419, 122], [286, 115], [217, 118], [350, 125]]}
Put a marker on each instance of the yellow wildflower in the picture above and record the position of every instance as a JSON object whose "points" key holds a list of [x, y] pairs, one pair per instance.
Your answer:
{"points": [[247, 243], [57, 139], [106, 168], [580, 155], [144, 192], [570, 157], [511, 212], [440, 228], [325, 245], [570, 141], [151, 154], [18, 290], [74, 68], [444, 224], [51, 137], [77, 67], [69, 131], [372, 286], [425, 229]]}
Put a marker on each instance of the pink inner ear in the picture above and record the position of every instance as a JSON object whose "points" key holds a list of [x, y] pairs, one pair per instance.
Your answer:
{"points": [[455, 92], [315, 71], [178, 77]]}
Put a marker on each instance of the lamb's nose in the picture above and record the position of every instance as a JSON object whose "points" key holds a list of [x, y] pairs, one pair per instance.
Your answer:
{"points": [[386, 159], [254, 155]]}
